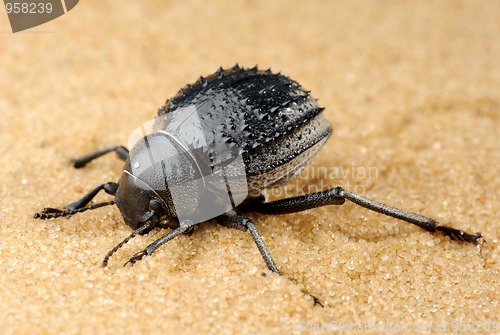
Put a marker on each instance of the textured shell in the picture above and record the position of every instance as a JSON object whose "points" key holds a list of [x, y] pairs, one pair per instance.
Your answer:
{"points": [[277, 126]]}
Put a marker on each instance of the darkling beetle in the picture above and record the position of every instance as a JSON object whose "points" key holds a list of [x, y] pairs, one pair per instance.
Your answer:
{"points": [[274, 125]]}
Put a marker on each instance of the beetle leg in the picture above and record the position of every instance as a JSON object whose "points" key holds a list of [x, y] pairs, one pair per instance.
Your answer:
{"points": [[109, 188], [301, 203], [121, 152], [337, 196], [419, 220], [232, 221], [183, 227], [243, 223], [79, 205]]}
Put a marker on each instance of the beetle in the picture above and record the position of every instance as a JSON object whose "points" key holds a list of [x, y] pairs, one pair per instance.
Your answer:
{"points": [[230, 135]]}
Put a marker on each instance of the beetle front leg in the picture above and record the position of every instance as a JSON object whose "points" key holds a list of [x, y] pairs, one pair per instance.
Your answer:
{"points": [[337, 196], [121, 152], [79, 205]]}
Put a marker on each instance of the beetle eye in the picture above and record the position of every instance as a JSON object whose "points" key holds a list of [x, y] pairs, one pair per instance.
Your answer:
{"points": [[156, 207]]}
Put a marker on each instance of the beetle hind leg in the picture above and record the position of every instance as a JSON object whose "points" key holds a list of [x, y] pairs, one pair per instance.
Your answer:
{"points": [[459, 235], [419, 220], [337, 196]]}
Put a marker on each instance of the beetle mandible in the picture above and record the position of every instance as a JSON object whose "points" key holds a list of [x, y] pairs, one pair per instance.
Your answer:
{"points": [[212, 151]]}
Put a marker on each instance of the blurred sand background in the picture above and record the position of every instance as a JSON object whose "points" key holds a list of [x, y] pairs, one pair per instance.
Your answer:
{"points": [[412, 89]]}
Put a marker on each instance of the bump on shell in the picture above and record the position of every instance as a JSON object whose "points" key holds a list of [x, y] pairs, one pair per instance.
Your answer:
{"points": [[247, 107]]}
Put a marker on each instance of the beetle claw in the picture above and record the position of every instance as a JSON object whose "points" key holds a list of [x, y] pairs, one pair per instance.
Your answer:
{"points": [[459, 235], [137, 257]]}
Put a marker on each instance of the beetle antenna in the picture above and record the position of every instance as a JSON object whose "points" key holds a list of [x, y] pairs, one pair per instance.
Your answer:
{"points": [[139, 230], [52, 213], [184, 226]]}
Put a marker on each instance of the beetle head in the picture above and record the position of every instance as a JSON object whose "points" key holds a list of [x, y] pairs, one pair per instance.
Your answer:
{"points": [[137, 204], [160, 179]]}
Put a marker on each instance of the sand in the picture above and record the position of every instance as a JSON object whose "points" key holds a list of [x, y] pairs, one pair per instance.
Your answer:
{"points": [[412, 90]]}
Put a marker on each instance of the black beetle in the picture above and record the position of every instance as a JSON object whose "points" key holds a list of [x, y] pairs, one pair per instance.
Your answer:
{"points": [[267, 120]]}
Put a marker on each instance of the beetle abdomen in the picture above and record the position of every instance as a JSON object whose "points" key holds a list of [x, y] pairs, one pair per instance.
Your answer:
{"points": [[277, 126]]}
